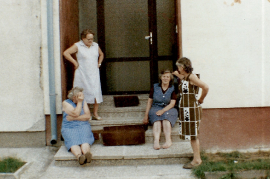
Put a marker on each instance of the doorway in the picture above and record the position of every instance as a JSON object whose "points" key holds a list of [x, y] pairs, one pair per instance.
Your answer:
{"points": [[132, 60]]}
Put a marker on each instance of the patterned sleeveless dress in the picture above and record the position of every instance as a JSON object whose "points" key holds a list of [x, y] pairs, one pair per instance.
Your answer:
{"points": [[160, 100], [189, 110], [76, 132], [87, 75]]}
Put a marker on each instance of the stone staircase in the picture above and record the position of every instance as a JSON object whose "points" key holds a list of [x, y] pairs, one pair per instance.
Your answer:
{"points": [[179, 152]]}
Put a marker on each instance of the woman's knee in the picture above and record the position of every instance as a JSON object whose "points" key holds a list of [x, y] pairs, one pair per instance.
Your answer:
{"points": [[166, 122], [157, 123], [85, 145]]}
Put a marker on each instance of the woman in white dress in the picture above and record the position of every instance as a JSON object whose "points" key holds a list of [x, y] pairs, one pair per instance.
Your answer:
{"points": [[89, 59]]}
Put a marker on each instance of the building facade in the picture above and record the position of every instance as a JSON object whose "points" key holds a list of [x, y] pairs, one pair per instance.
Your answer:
{"points": [[228, 43]]}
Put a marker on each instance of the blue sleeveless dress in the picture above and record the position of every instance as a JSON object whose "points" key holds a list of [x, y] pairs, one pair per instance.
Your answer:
{"points": [[160, 100], [76, 132]]}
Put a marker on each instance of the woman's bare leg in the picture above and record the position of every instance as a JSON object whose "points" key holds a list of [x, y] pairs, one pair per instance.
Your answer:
{"points": [[85, 148], [167, 129], [76, 150], [95, 110], [156, 133], [86, 151], [195, 144]]}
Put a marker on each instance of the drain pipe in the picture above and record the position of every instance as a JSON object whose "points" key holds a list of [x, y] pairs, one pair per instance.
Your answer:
{"points": [[51, 71]]}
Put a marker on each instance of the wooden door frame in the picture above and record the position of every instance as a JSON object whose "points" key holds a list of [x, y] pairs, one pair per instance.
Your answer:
{"points": [[69, 34], [152, 19]]}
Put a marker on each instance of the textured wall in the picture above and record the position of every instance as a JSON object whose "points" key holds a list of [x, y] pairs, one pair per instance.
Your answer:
{"points": [[235, 128], [228, 43], [21, 96]]}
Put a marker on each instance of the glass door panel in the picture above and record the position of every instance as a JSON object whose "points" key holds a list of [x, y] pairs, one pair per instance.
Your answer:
{"points": [[166, 33], [128, 76], [127, 51]]}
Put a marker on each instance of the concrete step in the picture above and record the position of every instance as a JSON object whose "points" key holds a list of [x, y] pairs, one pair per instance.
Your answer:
{"points": [[149, 138], [178, 153], [116, 121], [97, 127], [113, 113], [108, 100]]}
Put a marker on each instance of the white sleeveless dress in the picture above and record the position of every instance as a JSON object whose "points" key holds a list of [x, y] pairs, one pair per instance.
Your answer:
{"points": [[87, 74]]}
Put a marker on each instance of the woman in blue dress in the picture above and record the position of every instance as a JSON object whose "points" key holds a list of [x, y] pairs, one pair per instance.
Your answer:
{"points": [[160, 109], [76, 129]]}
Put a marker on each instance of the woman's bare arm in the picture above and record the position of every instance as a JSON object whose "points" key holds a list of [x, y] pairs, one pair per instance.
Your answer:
{"points": [[68, 52], [205, 88], [70, 110], [85, 117], [148, 106], [101, 57]]}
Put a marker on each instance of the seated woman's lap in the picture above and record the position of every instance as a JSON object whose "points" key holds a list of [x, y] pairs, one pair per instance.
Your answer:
{"points": [[170, 115]]}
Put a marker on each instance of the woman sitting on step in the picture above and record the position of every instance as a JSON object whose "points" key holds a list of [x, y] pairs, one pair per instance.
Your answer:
{"points": [[76, 129], [160, 109]]}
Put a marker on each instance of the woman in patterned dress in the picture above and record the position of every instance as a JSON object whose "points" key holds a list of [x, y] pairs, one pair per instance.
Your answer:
{"points": [[76, 129], [189, 107], [89, 59], [160, 109]]}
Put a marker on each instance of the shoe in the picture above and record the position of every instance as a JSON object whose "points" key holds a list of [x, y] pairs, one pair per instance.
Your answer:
{"points": [[81, 159], [97, 118], [190, 166], [88, 156]]}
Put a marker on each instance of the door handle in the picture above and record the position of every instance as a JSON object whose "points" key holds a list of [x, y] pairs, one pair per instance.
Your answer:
{"points": [[149, 37]]}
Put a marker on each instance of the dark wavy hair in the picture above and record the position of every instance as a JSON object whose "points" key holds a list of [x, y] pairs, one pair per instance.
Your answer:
{"points": [[85, 32], [186, 63], [164, 72]]}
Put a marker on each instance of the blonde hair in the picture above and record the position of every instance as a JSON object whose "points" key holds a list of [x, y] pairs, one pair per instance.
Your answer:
{"points": [[73, 92]]}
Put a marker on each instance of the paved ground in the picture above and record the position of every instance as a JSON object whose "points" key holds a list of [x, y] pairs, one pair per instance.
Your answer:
{"points": [[42, 166]]}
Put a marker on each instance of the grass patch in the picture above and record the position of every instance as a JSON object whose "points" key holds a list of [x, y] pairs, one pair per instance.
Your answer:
{"points": [[10, 165], [232, 162]]}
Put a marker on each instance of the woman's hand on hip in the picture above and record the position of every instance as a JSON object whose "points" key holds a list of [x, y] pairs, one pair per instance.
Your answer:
{"points": [[76, 65], [200, 101], [160, 112]]}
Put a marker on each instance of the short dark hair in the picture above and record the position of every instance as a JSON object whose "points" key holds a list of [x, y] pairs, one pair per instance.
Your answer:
{"points": [[85, 32], [187, 65], [164, 72]]}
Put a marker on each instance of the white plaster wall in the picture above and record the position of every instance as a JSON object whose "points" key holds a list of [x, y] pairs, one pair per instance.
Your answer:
{"points": [[21, 99], [229, 45]]}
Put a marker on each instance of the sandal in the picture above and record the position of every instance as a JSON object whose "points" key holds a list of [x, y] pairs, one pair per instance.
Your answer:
{"points": [[81, 159], [190, 166], [88, 156], [97, 118]]}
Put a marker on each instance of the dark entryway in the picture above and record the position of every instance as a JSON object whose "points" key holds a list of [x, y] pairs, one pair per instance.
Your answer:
{"points": [[131, 63]]}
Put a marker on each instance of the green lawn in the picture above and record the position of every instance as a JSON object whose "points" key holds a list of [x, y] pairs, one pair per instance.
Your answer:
{"points": [[10, 165], [232, 162]]}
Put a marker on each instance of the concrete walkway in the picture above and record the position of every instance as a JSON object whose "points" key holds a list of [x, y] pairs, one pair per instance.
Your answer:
{"points": [[42, 166]]}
